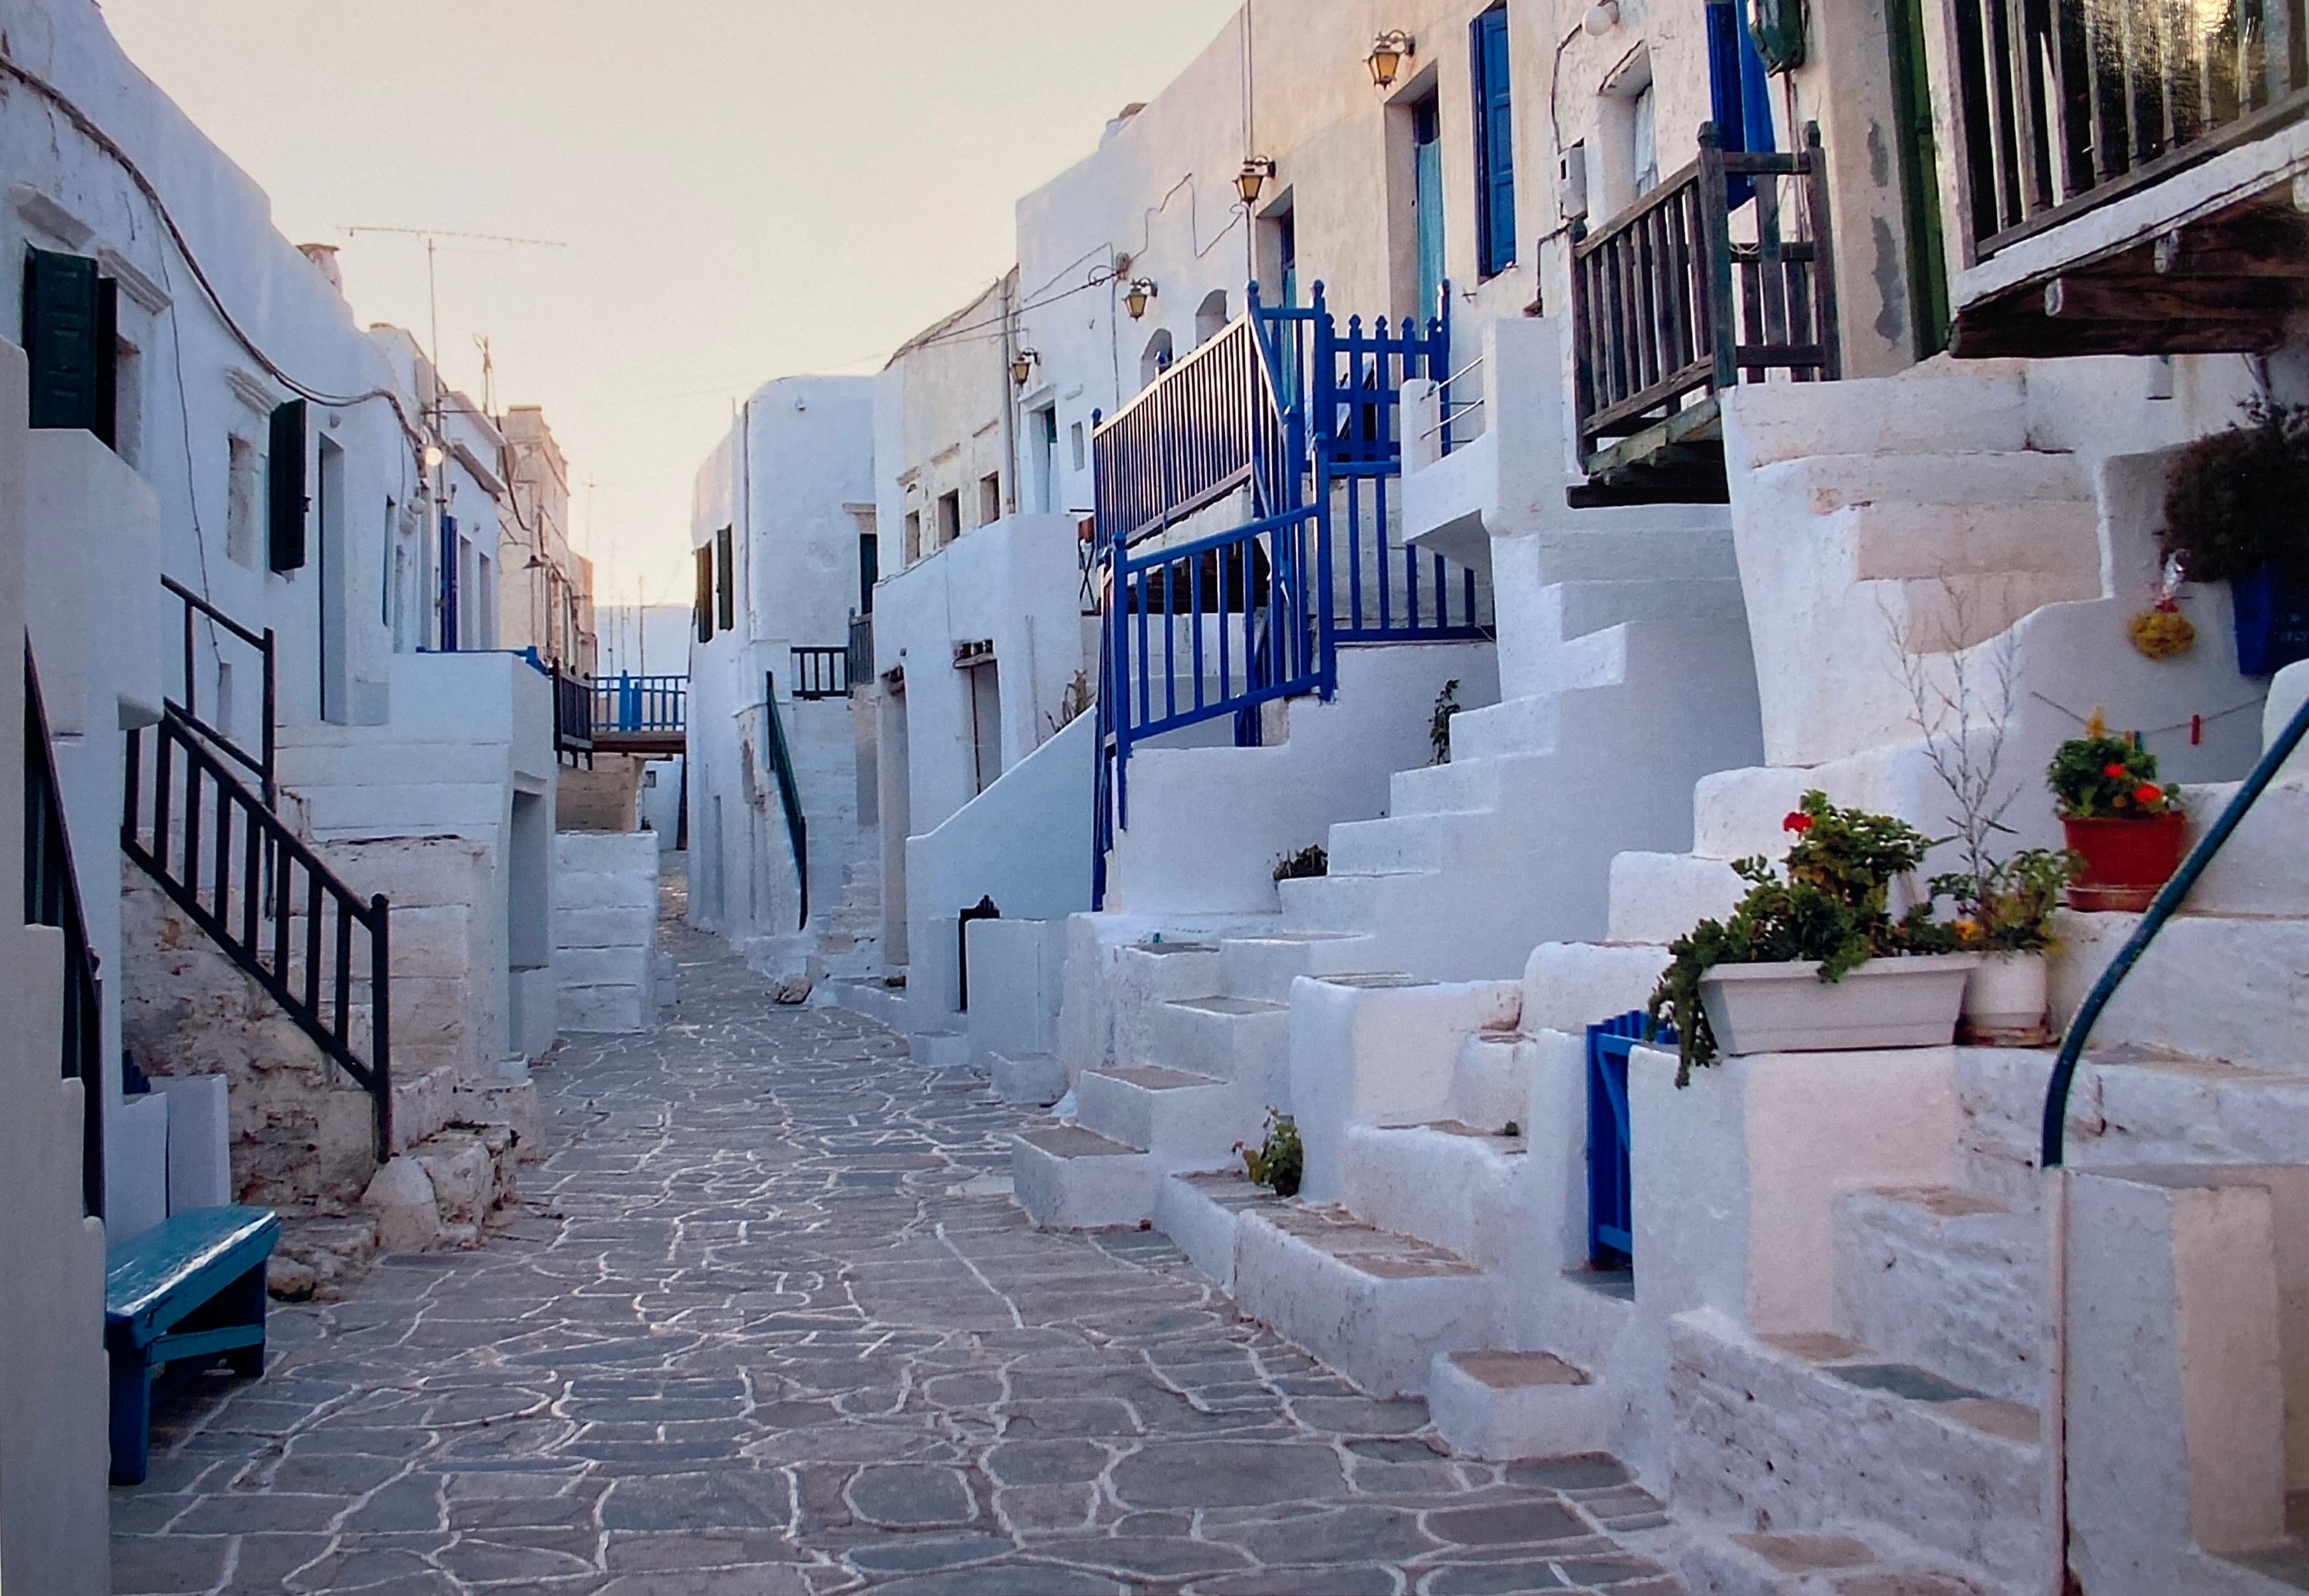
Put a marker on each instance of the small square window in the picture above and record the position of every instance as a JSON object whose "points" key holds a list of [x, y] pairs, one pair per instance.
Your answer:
{"points": [[990, 499]]}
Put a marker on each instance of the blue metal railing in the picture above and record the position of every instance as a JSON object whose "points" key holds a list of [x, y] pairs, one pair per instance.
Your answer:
{"points": [[1208, 424], [627, 702], [2161, 909]]}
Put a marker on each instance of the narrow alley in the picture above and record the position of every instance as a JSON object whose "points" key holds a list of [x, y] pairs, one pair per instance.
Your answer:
{"points": [[771, 1323]]}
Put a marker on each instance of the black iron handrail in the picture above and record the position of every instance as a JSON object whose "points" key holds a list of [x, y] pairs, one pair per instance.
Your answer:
{"points": [[788, 792], [2161, 909], [262, 763], [52, 898], [252, 894]]}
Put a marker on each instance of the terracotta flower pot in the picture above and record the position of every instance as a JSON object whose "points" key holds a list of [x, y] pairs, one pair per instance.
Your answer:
{"points": [[2125, 861]]}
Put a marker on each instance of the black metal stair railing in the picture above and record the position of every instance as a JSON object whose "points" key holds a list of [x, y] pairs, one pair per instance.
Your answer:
{"points": [[781, 766], [52, 898], [260, 764], [265, 899]]}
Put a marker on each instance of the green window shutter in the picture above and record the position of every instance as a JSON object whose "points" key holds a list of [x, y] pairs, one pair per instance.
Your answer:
{"points": [[869, 554], [107, 426], [284, 474], [725, 552], [64, 340], [704, 603]]}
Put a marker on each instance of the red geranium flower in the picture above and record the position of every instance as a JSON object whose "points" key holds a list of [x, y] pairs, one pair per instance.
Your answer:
{"points": [[2112, 770], [2147, 794], [1797, 821]]}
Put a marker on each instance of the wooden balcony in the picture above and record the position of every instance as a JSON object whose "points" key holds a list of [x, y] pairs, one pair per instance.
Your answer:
{"points": [[2127, 173], [1722, 274]]}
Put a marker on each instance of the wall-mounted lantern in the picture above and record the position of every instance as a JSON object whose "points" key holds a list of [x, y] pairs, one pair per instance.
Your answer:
{"points": [[1135, 297], [1252, 179], [1387, 56], [1022, 366]]}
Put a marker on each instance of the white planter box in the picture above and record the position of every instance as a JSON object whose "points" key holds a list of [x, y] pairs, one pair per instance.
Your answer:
{"points": [[2004, 1001], [1788, 1008]]}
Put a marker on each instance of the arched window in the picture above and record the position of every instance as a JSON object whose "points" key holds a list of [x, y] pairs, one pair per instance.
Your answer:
{"points": [[1156, 360], [1210, 317]]}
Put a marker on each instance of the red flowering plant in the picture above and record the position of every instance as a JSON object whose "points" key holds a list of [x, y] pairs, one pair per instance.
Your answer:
{"points": [[2099, 777]]}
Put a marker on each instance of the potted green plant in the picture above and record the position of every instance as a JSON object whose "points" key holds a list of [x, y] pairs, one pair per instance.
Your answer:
{"points": [[2234, 513], [2004, 913], [1812, 958], [2127, 827]]}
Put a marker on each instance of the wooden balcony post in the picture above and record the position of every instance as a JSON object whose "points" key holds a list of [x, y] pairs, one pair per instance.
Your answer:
{"points": [[1722, 334]]}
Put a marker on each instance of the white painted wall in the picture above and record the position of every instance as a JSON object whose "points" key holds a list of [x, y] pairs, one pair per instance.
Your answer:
{"points": [[605, 930]]}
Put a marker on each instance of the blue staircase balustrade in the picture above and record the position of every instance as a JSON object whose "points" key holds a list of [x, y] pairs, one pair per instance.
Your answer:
{"points": [[627, 702], [1610, 1184]]}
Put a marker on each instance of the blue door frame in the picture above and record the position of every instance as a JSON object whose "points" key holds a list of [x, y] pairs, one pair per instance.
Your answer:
{"points": [[1610, 1184]]}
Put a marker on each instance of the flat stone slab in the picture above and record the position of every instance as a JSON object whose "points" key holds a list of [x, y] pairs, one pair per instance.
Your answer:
{"points": [[1383, 1254], [1513, 1371], [1231, 1005], [1154, 1077], [770, 1324]]}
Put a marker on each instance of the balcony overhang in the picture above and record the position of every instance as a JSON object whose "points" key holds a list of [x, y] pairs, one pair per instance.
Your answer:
{"points": [[2212, 260]]}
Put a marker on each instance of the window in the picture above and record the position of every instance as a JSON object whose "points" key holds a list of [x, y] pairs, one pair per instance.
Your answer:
{"points": [[1043, 458], [1494, 145], [284, 489], [335, 574], [1647, 141], [240, 501], [452, 546], [71, 340], [1076, 446], [702, 603], [990, 499], [725, 559], [950, 517], [913, 551]]}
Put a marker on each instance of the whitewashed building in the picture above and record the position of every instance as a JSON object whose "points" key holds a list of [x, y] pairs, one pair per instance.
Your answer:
{"points": [[782, 531]]}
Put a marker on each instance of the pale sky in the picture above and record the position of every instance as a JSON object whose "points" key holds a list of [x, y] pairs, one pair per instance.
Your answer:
{"points": [[746, 188]]}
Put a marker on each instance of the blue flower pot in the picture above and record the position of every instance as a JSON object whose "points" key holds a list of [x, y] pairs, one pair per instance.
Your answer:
{"points": [[2273, 622]]}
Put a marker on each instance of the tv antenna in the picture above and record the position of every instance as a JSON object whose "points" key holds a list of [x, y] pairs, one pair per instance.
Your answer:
{"points": [[432, 236]]}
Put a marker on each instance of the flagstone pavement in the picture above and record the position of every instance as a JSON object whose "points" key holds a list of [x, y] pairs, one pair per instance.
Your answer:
{"points": [[769, 1323]]}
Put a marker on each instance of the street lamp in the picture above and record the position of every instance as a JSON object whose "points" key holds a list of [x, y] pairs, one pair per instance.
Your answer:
{"points": [[1253, 178], [1022, 366], [1385, 57], [1135, 297]]}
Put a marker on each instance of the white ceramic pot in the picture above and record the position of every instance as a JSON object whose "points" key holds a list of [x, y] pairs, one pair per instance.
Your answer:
{"points": [[1786, 1008], [2005, 999]]}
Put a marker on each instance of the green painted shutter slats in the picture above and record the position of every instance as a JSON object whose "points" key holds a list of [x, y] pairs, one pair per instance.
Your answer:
{"points": [[284, 478], [1494, 142], [62, 340], [725, 554], [702, 601]]}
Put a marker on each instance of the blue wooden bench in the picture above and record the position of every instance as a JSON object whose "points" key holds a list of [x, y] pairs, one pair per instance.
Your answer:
{"points": [[178, 1297]]}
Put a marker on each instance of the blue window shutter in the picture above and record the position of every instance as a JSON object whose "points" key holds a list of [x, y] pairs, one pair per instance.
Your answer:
{"points": [[61, 336], [284, 487], [1494, 143], [449, 584], [1739, 90]]}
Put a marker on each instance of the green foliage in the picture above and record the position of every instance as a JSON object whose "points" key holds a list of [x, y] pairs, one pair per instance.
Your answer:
{"points": [[1827, 900], [2008, 908], [1279, 1162], [1307, 861], [1439, 728], [2234, 501], [2098, 777]]}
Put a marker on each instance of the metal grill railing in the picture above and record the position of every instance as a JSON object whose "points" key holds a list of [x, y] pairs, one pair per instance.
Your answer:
{"points": [[52, 898], [1204, 427]]}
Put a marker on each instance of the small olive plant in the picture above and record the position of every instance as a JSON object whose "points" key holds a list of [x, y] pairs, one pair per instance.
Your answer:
{"points": [[1279, 1162], [1826, 900], [1308, 861], [1439, 728]]}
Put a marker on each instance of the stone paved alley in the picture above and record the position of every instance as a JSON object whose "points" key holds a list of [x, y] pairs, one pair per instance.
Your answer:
{"points": [[771, 1323]]}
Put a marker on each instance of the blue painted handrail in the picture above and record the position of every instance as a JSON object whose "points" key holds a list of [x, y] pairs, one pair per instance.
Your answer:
{"points": [[2161, 909]]}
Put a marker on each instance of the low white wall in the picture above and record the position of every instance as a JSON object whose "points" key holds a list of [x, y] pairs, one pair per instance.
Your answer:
{"points": [[1017, 969], [1024, 842], [605, 930]]}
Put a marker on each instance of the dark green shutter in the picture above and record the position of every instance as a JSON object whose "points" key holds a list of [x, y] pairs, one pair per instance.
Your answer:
{"points": [[725, 548], [284, 473], [869, 566], [107, 426], [64, 340], [704, 601]]}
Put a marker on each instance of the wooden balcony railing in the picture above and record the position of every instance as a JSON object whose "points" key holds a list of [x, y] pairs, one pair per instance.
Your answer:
{"points": [[2067, 104], [1666, 303]]}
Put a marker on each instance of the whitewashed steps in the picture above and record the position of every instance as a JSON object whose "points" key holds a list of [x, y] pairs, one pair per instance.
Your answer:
{"points": [[1069, 1178], [1501, 1405], [1033, 1079], [1245, 1041], [1199, 1212], [1183, 1121], [1264, 967], [1822, 1435], [1772, 1564], [1450, 1184], [1947, 1280], [1373, 1304]]}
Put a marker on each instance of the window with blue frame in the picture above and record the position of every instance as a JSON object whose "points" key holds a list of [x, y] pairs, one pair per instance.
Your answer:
{"points": [[1495, 226], [1739, 90]]}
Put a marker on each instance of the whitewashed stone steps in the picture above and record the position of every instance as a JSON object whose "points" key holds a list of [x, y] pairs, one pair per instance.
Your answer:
{"points": [[1198, 1210], [1035, 1080], [1947, 1280], [1167, 970], [1490, 1081], [1450, 1184], [1069, 1178], [872, 998], [1246, 1041], [1264, 967], [1373, 1304], [1341, 903], [2263, 868], [1981, 409], [1500, 1405], [1767, 1564], [939, 1050], [1424, 842], [1657, 897], [1184, 1121], [1808, 1434], [2224, 987]]}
